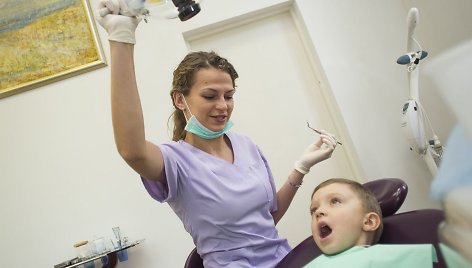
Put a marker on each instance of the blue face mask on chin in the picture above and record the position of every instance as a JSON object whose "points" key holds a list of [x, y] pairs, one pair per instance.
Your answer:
{"points": [[195, 127]]}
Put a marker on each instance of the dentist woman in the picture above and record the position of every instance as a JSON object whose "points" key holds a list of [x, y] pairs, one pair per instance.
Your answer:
{"points": [[217, 182]]}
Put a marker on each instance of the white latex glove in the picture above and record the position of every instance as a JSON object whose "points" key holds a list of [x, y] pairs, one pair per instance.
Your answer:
{"points": [[316, 152], [120, 28]]}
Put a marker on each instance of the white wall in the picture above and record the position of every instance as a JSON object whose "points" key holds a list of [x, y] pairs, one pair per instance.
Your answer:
{"points": [[358, 43], [61, 180]]}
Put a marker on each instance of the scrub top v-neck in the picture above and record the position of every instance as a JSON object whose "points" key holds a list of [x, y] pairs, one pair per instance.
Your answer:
{"points": [[226, 207]]}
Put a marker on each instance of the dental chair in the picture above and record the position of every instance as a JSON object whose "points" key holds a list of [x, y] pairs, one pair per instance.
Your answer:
{"points": [[194, 260], [413, 227]]}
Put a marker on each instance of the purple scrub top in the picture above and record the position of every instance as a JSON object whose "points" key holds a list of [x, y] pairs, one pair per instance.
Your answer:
{"points": [[225, 207]]}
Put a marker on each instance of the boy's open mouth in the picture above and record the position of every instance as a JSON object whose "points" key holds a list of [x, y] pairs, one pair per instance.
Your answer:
{"points": [[325, 230]]}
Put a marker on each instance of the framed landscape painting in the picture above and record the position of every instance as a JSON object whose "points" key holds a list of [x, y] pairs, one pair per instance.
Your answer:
{"points": [[44, 41]]}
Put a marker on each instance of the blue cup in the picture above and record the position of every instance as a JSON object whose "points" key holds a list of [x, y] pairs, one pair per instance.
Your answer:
{"points": [[104, 260], [122, 255], [89, 265]]}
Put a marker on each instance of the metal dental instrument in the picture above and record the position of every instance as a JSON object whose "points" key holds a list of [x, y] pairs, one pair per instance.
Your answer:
{"points": [[308, 125]]}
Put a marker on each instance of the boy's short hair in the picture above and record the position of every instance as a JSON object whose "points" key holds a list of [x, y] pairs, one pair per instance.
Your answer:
{"points": [[368, 200]]}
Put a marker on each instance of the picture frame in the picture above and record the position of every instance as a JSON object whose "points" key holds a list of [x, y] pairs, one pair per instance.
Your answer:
{"points": [[46, 41]]}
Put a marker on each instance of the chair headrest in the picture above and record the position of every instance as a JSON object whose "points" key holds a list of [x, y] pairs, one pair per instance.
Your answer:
{"points": [[390, 193]]}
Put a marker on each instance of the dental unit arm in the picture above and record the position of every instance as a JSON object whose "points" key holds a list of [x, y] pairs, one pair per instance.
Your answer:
{"points": [[413, 114]]}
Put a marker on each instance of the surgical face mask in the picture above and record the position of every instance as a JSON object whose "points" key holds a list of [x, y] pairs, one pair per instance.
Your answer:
{"points": [[197, 128]]}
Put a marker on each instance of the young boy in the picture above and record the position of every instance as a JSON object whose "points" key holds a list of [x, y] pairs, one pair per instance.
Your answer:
{"points": [[346, 220]]}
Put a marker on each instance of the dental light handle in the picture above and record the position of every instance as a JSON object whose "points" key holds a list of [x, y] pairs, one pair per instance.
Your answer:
{"points": [[412, 57]]}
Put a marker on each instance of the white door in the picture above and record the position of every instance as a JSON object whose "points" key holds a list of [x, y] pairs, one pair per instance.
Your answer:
{"points": [[277, 94]]}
